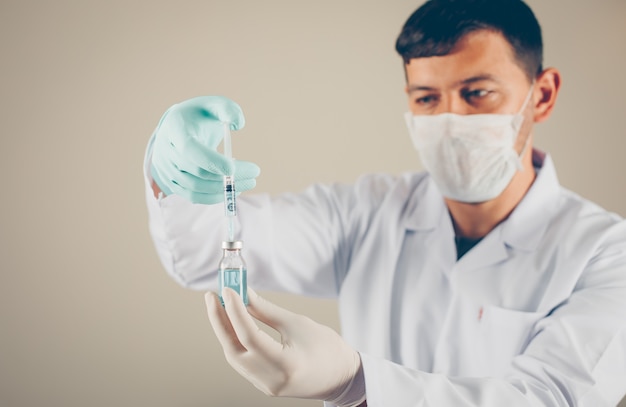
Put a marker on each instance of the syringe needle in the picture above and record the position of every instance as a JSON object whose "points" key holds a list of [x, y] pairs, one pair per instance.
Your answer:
{"points": [[231, 229], [230, 206]]}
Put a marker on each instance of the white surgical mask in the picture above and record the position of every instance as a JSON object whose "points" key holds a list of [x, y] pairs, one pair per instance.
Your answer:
{"points": [[471, 157]]}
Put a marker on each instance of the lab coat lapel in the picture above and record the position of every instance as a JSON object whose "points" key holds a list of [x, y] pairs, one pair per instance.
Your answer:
{"points": [[526, 225], [431, 215], [523, 230], [489, 251], [428, 214]]}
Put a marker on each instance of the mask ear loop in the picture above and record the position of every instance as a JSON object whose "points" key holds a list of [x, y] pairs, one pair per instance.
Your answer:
{"points": [[528, 96], [519, 117], [517, 123]]}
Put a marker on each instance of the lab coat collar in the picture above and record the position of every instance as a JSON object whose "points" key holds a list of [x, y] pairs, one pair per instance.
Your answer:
{"points": [[526, 224], [426, 207]]}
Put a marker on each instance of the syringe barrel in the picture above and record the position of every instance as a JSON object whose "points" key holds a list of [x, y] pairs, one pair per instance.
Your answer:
{"points": [[230, 205]]}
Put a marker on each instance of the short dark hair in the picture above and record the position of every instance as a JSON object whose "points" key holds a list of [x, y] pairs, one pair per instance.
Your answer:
{"points": [[435, 28]]}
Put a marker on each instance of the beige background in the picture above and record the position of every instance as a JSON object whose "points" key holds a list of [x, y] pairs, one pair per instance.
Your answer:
{"points": [[88, 316]]}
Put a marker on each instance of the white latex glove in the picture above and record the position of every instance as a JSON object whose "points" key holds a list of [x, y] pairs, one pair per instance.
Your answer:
{"points": [[312, 361]]}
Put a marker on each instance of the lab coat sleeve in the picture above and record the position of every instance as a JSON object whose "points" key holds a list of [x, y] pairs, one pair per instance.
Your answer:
{"points": [[297, 243], [576, 355]]}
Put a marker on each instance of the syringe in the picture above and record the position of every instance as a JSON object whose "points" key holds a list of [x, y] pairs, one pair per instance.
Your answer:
{"points": [[230, 206]]}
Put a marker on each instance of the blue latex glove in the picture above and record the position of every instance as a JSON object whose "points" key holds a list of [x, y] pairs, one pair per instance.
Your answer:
{"points": [[185, 160]]}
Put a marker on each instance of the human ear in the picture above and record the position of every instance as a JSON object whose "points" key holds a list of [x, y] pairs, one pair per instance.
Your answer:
{"points": [[546, 90]]}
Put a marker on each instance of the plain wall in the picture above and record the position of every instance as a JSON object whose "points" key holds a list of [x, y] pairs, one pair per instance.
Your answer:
{"points": [[88, 316]]}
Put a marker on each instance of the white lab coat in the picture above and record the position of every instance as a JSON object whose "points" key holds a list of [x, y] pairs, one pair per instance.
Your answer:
{"points": [[534, 315]]}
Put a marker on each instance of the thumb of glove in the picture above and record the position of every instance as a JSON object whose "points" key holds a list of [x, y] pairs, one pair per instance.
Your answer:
{"points": [[314, 360]]}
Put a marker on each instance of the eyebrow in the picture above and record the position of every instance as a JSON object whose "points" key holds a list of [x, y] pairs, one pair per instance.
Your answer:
{"points": [[473, 79]]}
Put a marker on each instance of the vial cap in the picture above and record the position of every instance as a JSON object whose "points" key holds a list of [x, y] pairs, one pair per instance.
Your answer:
{"points": [[237, 244]]}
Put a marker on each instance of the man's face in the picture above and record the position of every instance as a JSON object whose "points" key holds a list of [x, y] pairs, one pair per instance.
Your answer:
{"points": [[480, 75]]}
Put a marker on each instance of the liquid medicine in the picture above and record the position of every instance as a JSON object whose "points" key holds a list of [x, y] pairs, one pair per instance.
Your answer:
{"points": [[233, 271]]}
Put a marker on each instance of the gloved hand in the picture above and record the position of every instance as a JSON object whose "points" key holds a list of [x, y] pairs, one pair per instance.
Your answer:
{"points": [[312, 361], [184, 157]]}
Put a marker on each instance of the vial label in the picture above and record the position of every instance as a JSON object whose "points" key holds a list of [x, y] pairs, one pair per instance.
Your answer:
{"points": [[235, 279]]}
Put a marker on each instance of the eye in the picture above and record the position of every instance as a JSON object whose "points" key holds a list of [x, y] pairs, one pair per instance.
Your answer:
{"points": [[475, 95], [426, 100]]}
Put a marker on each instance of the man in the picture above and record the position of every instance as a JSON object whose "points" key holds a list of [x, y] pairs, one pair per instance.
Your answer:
{"points": [[480, 282]]}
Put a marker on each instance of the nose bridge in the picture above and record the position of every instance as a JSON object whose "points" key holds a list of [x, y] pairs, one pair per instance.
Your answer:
{"points": [[452, 102]]}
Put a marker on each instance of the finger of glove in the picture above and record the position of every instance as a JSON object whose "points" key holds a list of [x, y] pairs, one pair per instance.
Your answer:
{"points": [[243, 170], [269, 313], [203, 191], [206, 199], [190, 156], [175, 156], [170, 183], [197, 197], [192, 120], [209, 183], [221, 325], [190, 151], [195, 189], [161, 181], [248, 333], [199, 118], [170, 173], [178, 183], [199, 194], [214, 107]]}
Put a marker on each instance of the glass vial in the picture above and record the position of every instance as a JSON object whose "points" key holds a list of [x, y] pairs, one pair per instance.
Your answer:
{"points": [[233, 271]]}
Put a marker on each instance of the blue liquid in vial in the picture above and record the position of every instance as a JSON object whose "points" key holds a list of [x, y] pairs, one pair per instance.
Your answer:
{"points": [[237, 280]]}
